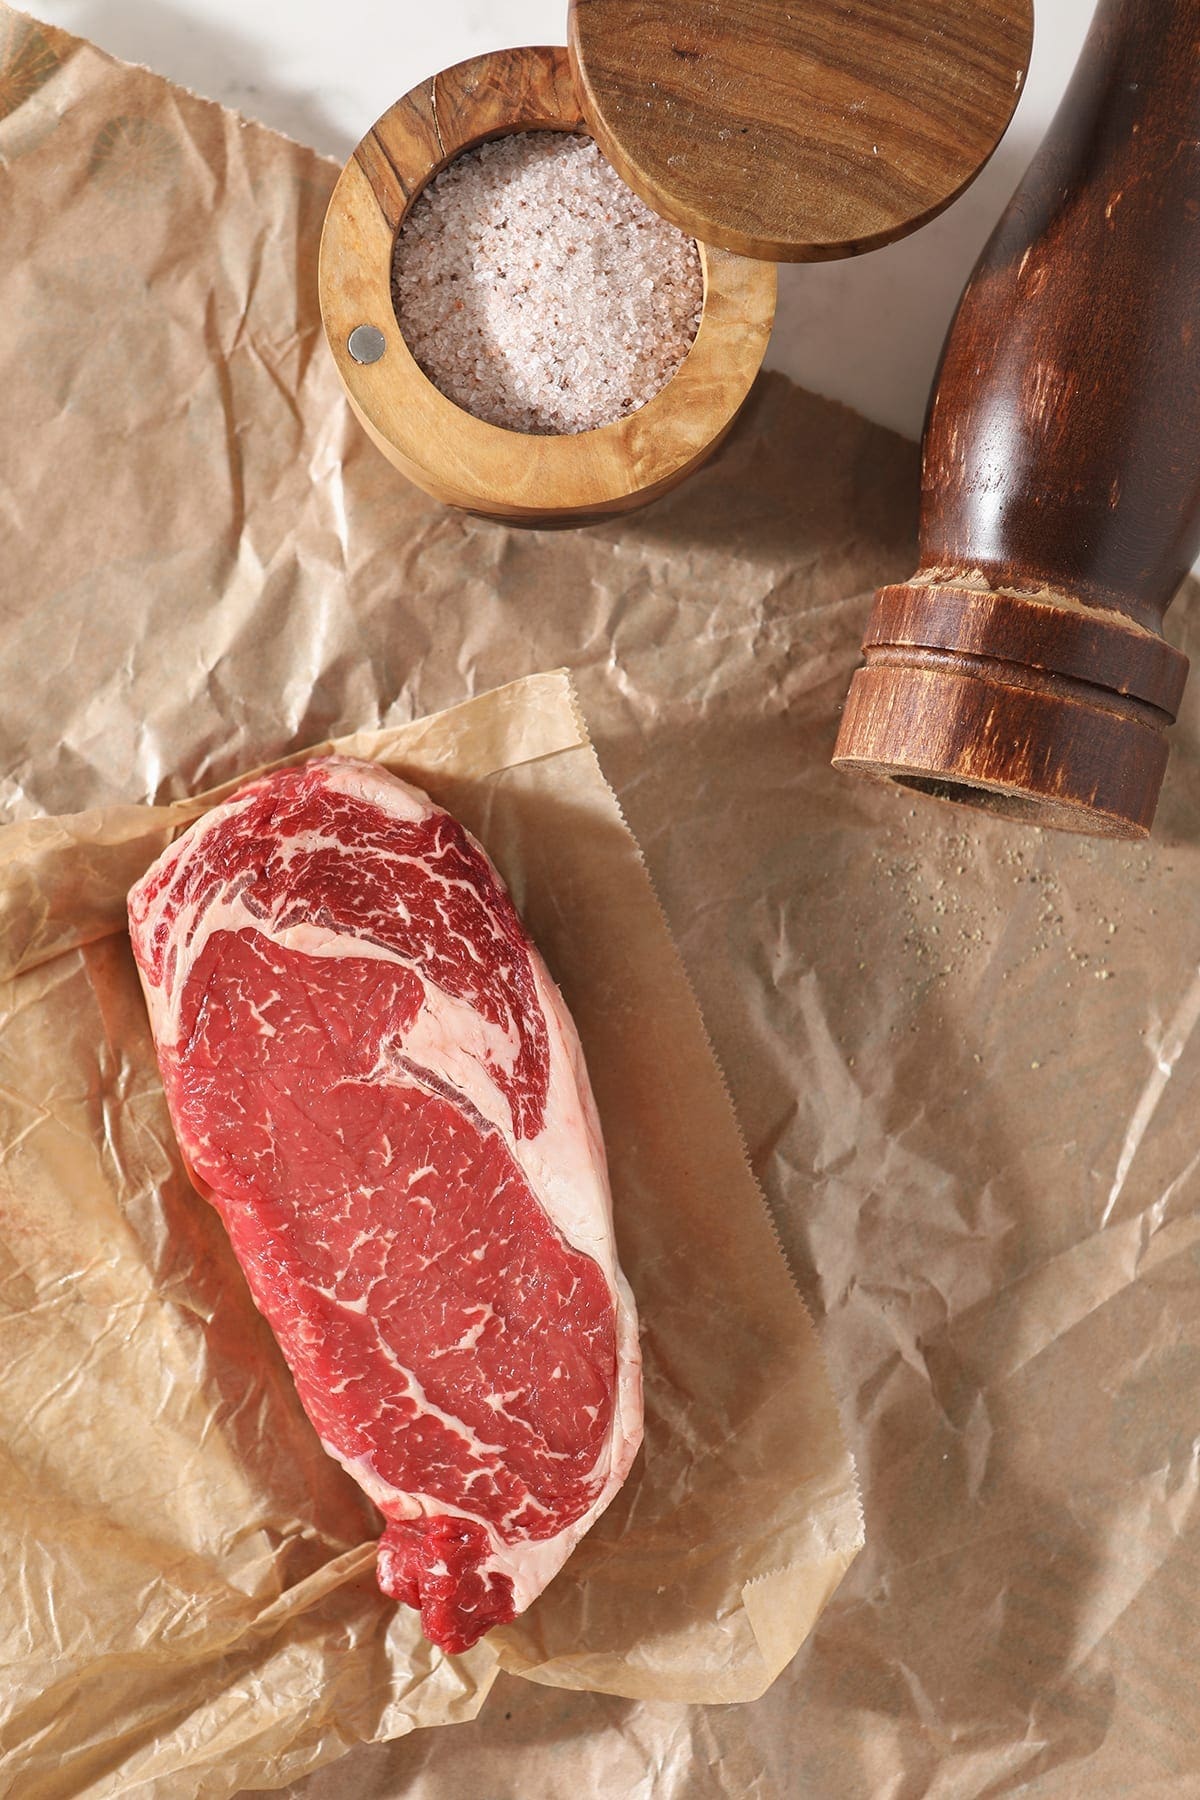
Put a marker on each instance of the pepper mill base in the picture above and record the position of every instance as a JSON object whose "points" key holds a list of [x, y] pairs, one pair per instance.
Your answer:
{"points": [[1029, 706]]}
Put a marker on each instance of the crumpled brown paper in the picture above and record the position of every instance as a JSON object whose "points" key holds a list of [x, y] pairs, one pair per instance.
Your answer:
{"points": [[965, 1055]]}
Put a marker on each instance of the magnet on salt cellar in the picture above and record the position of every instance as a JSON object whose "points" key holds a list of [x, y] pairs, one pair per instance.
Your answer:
{"points": [[761, 133]]}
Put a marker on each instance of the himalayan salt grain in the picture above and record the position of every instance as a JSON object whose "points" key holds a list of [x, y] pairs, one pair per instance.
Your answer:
{"points": [[538, 292]]}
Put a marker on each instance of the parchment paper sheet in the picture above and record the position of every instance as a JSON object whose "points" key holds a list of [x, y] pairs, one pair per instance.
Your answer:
{"points": [[964, 1055], [207, 1570]]}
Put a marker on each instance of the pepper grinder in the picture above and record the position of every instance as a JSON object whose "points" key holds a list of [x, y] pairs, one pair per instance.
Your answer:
{"points": [[1022, 668]]}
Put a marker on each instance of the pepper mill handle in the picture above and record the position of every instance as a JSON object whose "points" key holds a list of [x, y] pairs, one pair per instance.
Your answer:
{"points": [[1022, 669]]}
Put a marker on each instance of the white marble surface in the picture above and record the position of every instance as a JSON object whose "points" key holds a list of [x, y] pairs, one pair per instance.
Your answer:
{"points": [[867, 331]]}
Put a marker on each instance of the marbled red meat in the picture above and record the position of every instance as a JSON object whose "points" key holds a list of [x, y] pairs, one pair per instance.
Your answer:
{"points": [[374, 1080]]}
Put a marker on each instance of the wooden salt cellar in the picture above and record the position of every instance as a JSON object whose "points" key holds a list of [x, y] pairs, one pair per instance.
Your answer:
{"points": [[466, 461], [767, 132], [1022, 669]]}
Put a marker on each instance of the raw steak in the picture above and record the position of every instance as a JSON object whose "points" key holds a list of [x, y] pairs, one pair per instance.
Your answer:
{"points": [[378, 1086]]}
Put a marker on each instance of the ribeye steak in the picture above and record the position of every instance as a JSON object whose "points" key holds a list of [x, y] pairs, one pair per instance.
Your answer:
{"points": [[378, 1086]]}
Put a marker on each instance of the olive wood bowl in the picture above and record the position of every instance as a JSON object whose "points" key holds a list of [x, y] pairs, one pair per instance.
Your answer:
{"points": [[463, 460]]}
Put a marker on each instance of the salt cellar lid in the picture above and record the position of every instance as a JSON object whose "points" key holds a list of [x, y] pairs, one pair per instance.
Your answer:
{"points": [[805, 131]]}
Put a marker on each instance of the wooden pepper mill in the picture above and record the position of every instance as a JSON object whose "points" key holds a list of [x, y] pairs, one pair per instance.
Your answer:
{"points": [[1022, 668]]}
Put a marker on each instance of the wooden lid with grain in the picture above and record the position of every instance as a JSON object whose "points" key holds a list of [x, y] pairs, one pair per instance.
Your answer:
{"points": [[804, 130]]}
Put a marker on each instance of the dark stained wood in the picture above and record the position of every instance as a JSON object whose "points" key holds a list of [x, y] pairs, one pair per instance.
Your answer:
{"points": [[799, 131], [1061, 471], [1064, 447], [465, 461], [1041, 752]]}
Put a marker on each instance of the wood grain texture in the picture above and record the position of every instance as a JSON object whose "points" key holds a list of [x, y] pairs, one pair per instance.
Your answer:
{"points": [[462, 460], [804, 131], [1061, 468]]}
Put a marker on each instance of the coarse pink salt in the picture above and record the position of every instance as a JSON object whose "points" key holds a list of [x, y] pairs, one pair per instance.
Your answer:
{"points": [[537, 291]]}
